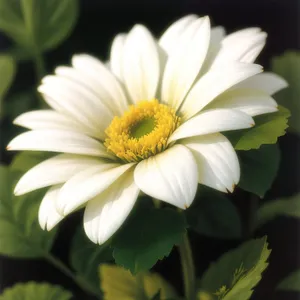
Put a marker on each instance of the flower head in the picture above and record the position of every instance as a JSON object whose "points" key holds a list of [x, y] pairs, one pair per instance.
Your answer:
{"points": [[149, 120]]}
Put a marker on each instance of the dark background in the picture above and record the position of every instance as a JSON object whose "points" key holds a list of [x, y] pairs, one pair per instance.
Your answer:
{"points": [[99, 21]]}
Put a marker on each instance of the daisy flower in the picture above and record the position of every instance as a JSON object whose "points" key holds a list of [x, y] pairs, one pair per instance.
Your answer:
{"points": [[148, 120]]}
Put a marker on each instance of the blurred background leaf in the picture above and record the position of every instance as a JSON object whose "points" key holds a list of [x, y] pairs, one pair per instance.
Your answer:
{"points": [[7, 71], [38, 25], [291, 283], [289, 207], [214, 215], [259, 169], [288, 66], [20, 233], [118, 283], [35, 291], [86, 256]]}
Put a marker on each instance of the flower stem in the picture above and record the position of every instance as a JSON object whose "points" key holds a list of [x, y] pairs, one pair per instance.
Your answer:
{"points": [[80, 281], [188, 269], [140, 286]]}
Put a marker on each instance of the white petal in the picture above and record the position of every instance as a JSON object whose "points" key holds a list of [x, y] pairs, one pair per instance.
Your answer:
{"points": [[244, 46], [141, 64], [212, 121], [169, 40], [170, 176], [105, 214], [216, 36], [48, 216], [102, 82], [269, 83], [87, 184], [78, 102], [251, 102], [185, 63], [116, 55], [54, 170], [58, 141], [215, 82], [48, 119], [218, 165]]}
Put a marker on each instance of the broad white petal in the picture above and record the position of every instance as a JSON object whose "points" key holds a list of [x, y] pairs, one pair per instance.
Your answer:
{"points": [[101, 81], [218, 165], [58, 141], [116, 55], [217, 34], [251, 102], [243, 45], [211, 121], [105, 214], [48, 119], [170, 176], [78, 102], [269, 83], [214, 83], [87, 184], [141, 64], [54, 170], [185, 63], [48, 215], [170, 38]]}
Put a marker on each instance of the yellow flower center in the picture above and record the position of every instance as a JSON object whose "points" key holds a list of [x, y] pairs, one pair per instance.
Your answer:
{"points": [[142, 131]]}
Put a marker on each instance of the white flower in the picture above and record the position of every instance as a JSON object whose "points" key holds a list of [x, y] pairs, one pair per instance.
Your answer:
{"points": [[149, 120]]}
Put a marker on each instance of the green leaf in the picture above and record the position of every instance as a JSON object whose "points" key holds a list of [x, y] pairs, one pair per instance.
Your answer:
{"points": [[20, 233], [18, 103], [86, 256], [259, 169], [118, 283], [214, 215], [289, 207], [267, 129], [7, 71], [24, 161], [237, 272], [148, 235], [288, 66], [34, 290], [204, 296], [291, 283], [38, 25]]}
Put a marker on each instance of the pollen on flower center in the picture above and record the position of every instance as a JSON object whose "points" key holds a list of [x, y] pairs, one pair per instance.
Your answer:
{"points": [[142, 131]]}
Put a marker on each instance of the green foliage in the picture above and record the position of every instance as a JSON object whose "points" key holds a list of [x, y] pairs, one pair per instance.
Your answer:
{"points": [[259, 169], [291, 283], [18, 103], [288, 66], [38, 25], [20, 233], [7, 71], [24, 161], [213, 214], [267, 129], [237, 272], [289, 207], [86, 257], [118, 283], [34, 290], [148, 235]]}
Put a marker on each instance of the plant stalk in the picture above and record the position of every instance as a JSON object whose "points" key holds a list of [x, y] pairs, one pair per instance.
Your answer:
{"points": [[81, 282], [188, 269]]}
